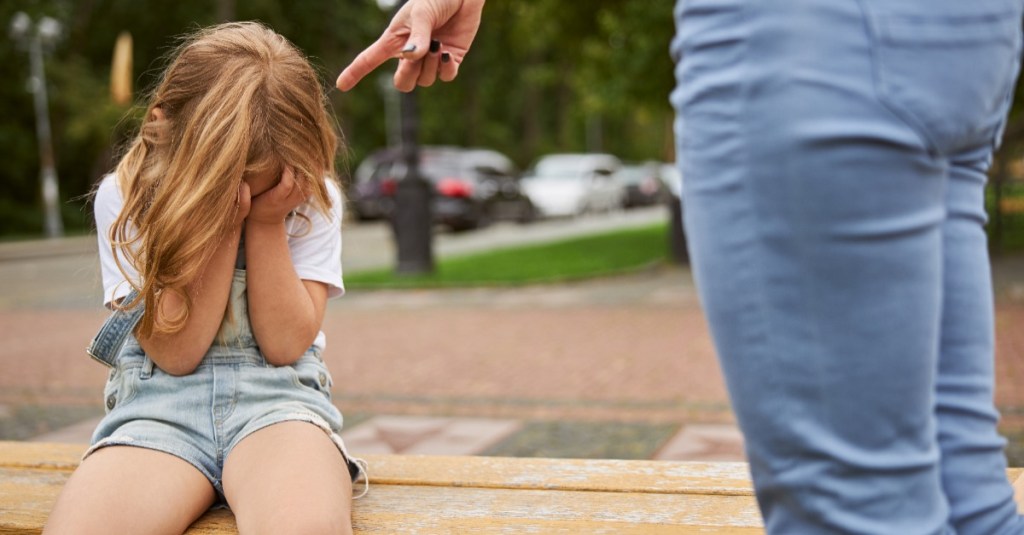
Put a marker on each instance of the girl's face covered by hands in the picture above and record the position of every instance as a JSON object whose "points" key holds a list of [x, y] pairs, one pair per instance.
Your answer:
{"points": [[275, 196], [261, 182]]}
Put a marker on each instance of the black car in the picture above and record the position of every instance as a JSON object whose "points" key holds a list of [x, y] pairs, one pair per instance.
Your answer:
{"points": [[642, 185], [472, 187]]}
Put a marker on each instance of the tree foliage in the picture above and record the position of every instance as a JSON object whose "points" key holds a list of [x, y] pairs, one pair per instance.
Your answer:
{"points": [[543, 76]]}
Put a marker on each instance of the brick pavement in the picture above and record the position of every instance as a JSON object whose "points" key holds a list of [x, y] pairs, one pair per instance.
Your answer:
{"points": [[629, 350]]}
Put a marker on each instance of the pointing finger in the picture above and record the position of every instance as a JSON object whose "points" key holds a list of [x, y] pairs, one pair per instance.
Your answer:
{"points": [[368, 60]]}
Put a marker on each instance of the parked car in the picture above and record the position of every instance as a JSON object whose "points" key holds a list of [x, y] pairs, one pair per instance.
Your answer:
{"points": [[472, 186], [673, 178], [372, 198], [574, 184], [642, 185]]}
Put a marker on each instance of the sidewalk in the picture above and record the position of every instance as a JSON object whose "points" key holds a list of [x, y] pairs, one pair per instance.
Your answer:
{"points": [[499, 371], [617, 367]]}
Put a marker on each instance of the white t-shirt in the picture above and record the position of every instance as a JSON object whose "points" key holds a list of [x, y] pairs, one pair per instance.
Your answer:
{"points": [[316, 254]]}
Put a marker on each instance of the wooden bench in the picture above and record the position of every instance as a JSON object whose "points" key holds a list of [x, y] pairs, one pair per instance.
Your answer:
{"points": [[433, 494]]}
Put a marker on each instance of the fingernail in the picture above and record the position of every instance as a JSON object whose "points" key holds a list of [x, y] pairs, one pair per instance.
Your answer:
{"points": [[435, 45], [409, 48], [446, 57]]}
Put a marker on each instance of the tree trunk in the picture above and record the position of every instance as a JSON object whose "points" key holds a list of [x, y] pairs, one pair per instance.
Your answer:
{"points": [[996, 216], [226, 10]]}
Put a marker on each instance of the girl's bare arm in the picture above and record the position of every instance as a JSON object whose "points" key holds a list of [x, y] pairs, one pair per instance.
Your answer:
{"points": [[285, 311], [179, 353]]}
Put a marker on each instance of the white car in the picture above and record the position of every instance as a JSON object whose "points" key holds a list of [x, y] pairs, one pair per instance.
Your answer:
{"points": [[574, 184]]}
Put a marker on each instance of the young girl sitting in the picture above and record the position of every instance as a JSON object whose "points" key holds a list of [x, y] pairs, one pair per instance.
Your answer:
{"points": [[220, 244]]}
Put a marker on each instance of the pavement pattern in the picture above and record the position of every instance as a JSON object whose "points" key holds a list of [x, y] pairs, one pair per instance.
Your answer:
{"points": [[621, 367]]}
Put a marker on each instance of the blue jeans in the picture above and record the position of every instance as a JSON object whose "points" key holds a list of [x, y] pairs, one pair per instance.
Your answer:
{"points": [[834, 158]]}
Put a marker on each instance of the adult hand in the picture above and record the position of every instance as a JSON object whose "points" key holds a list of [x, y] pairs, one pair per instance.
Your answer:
{"points": [[451, 23], [273, 205]]}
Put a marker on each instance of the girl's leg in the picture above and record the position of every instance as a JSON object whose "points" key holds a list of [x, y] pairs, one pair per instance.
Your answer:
{"points": [[122, 489], [289, 478], [973, 462]]}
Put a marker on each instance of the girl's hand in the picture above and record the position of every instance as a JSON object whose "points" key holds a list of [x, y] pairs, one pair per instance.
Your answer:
{"points": [[273, 205], [243, 204]]}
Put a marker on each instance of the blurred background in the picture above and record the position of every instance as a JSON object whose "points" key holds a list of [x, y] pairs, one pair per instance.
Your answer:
{"points": [[543, 77], [561, 318]]}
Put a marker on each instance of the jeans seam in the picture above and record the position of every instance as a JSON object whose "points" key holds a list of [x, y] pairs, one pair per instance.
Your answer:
{"points": [[920, 130]]}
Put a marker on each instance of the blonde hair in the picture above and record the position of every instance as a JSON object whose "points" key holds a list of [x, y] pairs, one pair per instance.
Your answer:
{"points": [[238, 100]]}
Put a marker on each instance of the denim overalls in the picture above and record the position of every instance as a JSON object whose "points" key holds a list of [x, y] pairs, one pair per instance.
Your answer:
{"points": [[233, 392]]}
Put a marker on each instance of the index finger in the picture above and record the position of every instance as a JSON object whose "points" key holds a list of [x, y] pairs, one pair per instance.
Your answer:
{"points": [[364, 64]]}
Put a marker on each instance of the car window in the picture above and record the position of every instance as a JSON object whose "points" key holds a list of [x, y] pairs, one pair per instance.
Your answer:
{"points": [[435, 168], [386, 169], [366, 170]]}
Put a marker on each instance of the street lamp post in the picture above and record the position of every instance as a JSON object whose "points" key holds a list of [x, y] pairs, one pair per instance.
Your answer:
{"points": [[411, 220], [35, 37]]}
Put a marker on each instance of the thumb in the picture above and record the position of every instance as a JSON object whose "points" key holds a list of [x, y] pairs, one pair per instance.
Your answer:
{"points": [[421, 24]]}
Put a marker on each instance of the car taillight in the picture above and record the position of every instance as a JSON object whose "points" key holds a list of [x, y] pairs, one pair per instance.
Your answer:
{"points": [[388, 187], [453, 187]]}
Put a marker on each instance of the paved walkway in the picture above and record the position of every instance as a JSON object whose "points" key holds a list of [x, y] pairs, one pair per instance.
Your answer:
{"points": [[619, 367], [528, 371]]}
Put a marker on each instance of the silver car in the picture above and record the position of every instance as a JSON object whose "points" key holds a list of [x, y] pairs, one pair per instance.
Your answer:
{"points": [[574, 184]]}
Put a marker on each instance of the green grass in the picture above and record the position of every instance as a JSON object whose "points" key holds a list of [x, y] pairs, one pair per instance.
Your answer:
{"points": [[572, 259], [1006, 231]]}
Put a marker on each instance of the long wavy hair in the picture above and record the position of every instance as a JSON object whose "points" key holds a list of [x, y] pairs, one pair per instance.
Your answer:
{"points": [[238, 100]]}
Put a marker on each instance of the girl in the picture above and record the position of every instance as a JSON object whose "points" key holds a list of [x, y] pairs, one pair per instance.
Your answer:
{"points": [[220, 244]]}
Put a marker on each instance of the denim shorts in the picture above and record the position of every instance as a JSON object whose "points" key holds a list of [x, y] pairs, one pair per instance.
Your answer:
{"points": [[202, 416]]}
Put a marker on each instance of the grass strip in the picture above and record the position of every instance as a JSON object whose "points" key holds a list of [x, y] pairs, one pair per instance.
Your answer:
{"points": [[584, 257]]}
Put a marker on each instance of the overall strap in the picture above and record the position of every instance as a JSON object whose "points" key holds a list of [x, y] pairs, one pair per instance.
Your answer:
{"points": [[108, 342]]}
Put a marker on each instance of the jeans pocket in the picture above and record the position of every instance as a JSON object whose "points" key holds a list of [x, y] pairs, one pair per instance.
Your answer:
{"points": [[948, 73], [120, 388], [311, 372]]}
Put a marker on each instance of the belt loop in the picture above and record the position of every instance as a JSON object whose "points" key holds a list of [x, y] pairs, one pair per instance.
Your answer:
{"points": [[147, 369]]}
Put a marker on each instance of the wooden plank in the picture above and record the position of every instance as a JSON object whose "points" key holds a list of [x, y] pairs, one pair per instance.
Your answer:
{"points": [[1017, 477], [436, 494], [562, 474], [484, 472], [27, 495], [417, 509], [40, 455]]}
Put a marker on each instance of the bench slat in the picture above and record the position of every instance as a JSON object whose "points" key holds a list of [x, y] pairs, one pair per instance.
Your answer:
{"points": [[484, 472], [563, 474], [40, 455], [27, 496], [437, 494]]}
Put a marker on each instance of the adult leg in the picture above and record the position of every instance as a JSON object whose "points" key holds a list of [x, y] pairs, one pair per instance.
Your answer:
{"points": [[814, 217], [289, 478], [123, 489], [973, 462]]}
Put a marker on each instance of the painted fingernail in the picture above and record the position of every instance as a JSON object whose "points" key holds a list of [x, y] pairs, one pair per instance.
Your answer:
{"points": [[435, 45], [446, 57], [409, 48]]}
